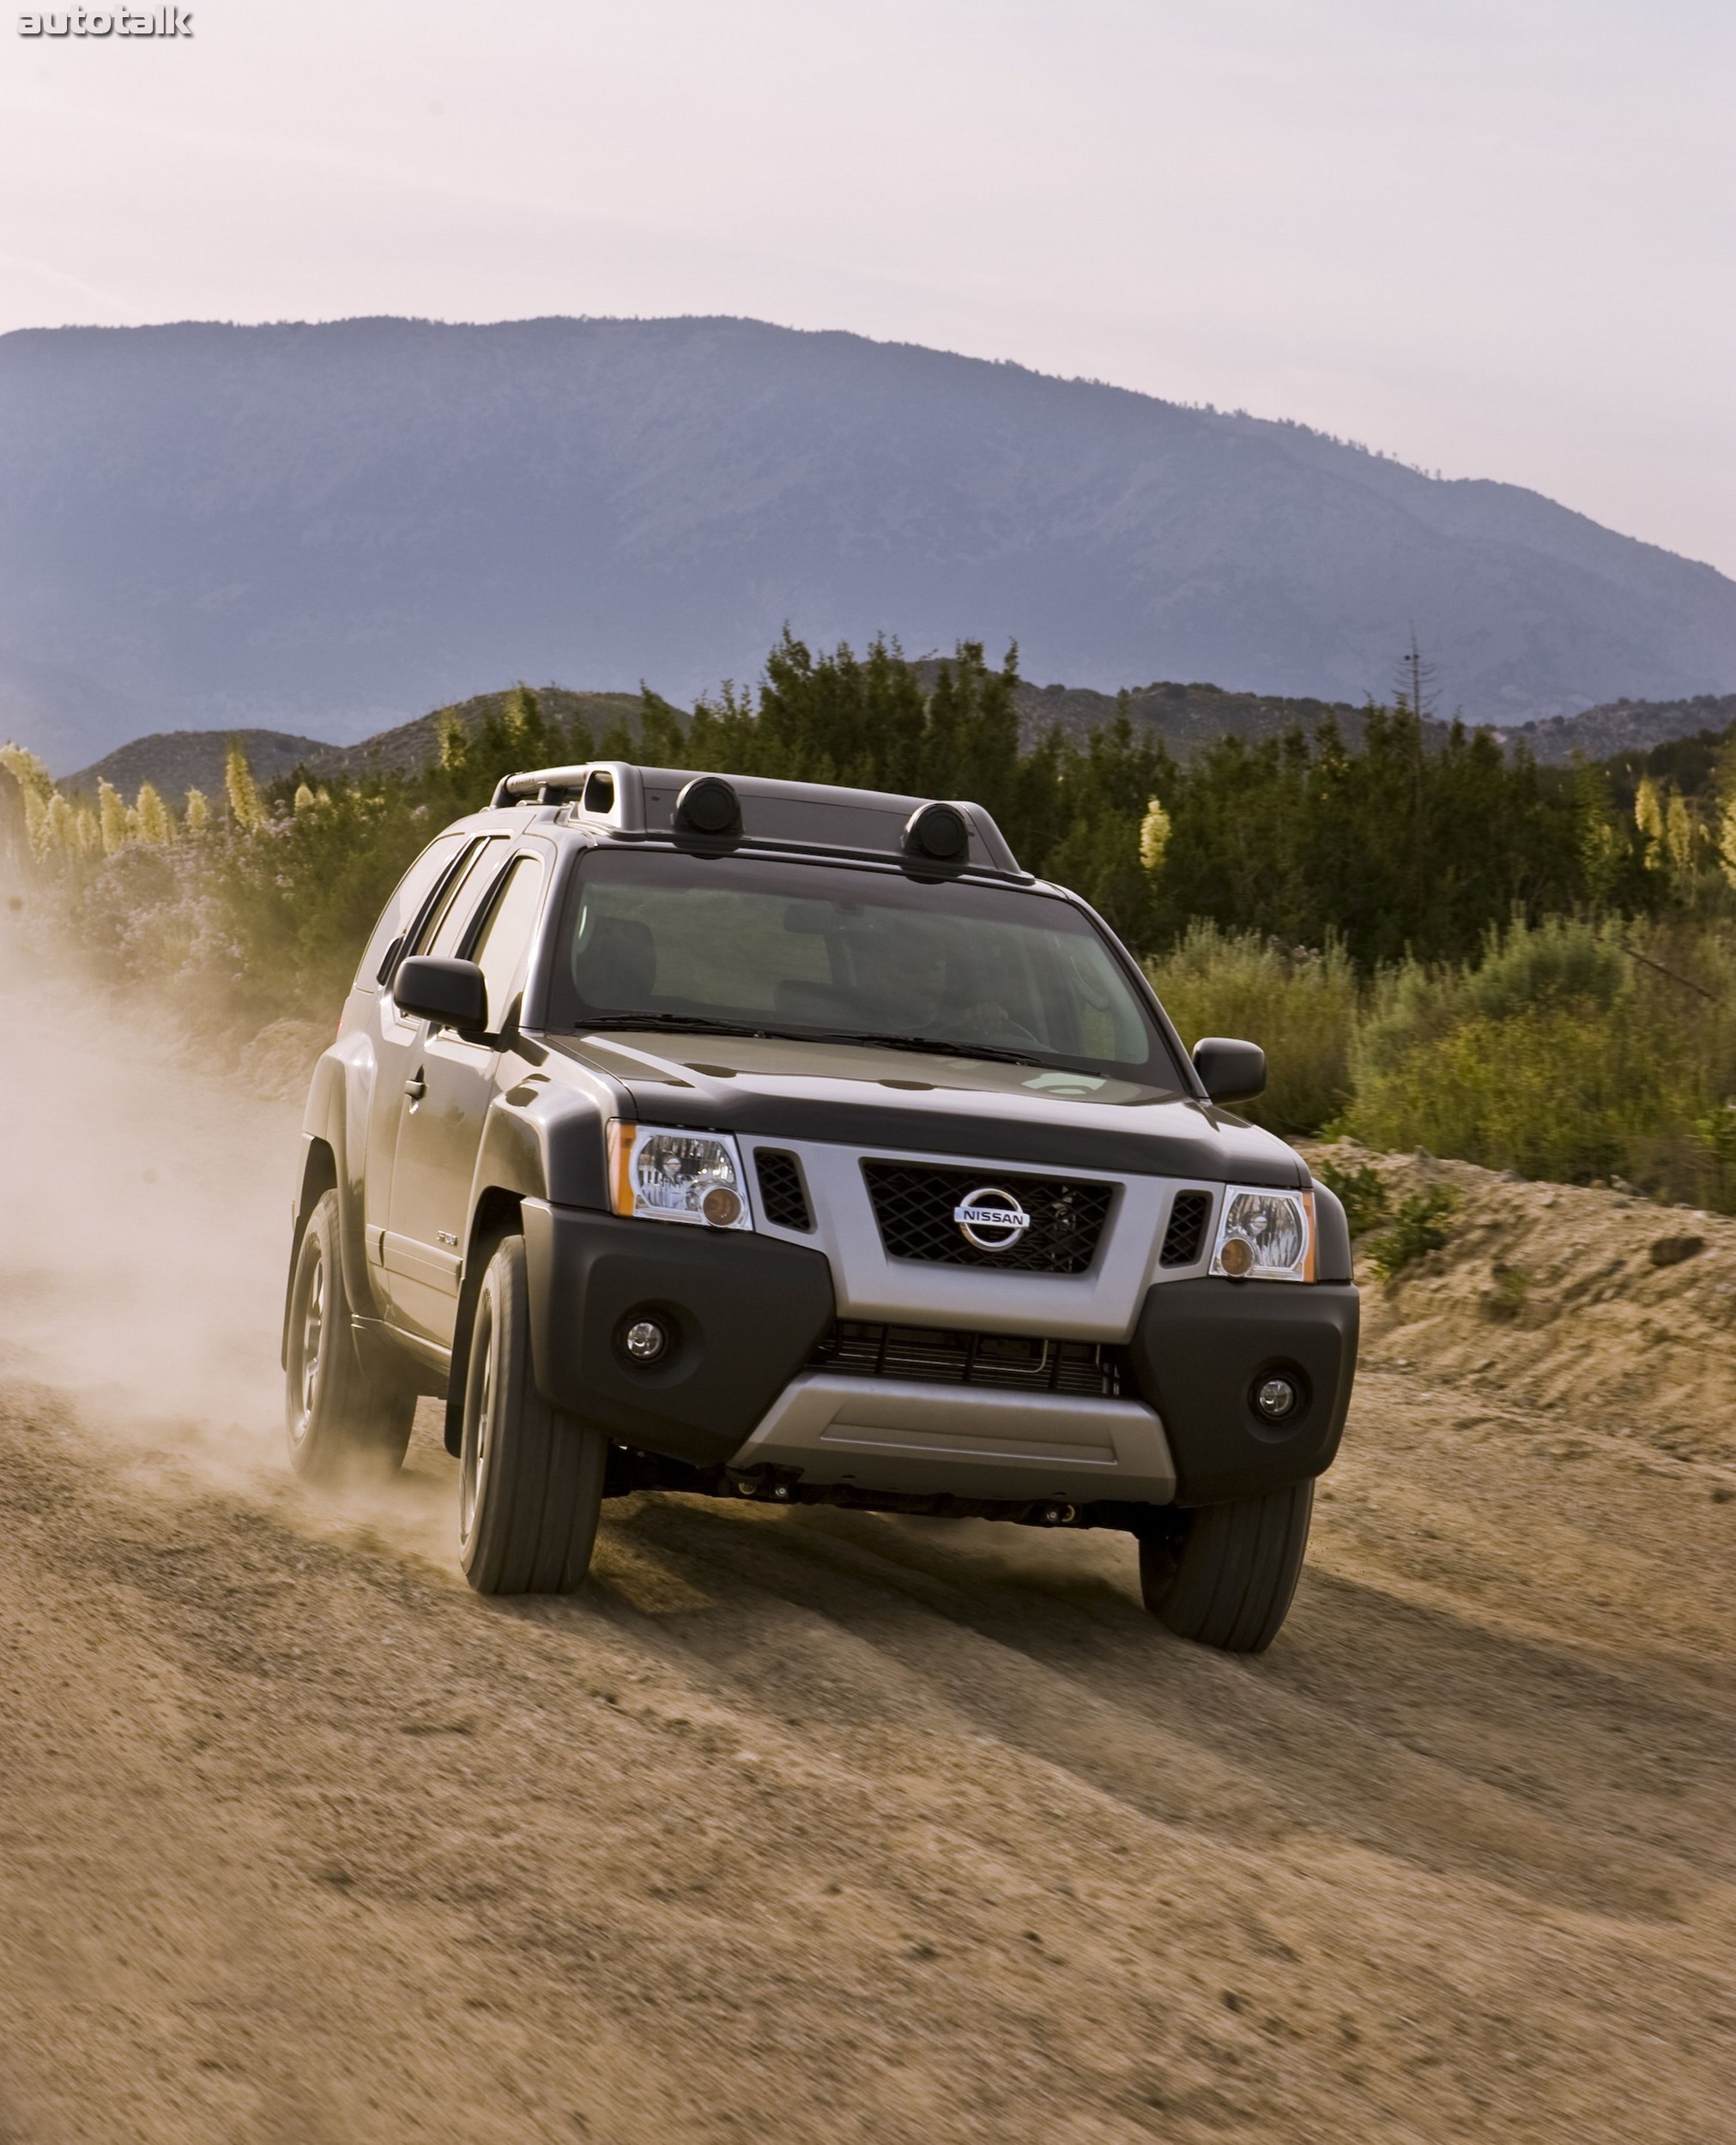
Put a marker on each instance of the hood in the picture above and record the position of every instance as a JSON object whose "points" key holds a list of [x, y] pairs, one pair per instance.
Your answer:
{"points": [[911, 1101]]}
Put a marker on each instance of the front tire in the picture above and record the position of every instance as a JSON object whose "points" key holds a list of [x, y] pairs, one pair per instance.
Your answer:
{"points": [[337, 1418], [530, 1479], [1226, 1573]]}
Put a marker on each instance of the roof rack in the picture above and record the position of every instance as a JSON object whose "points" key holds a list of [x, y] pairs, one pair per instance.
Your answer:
{"points": [[632, 803]]}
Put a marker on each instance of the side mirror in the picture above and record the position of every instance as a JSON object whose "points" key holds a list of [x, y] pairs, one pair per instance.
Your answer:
{"points": [[433, 988], [1230, 1072]]}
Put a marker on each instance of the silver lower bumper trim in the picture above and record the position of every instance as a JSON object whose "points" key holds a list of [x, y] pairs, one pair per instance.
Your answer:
{"points": [[964, 1440]]}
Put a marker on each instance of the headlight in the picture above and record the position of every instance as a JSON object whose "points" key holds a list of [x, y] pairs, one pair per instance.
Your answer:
{"points": [[1265, 1236], [664, 1175]]}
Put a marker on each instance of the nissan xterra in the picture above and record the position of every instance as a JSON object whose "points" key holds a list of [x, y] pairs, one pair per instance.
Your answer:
{"points": [[764, 1139]]}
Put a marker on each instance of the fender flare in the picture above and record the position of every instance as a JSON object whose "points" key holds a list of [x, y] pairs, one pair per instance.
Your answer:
{"points": [[511, 1168]]}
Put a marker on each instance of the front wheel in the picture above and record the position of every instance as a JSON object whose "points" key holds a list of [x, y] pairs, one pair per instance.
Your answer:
{"points": [[1224, 1573], [530, 1479], [336, 1416]]}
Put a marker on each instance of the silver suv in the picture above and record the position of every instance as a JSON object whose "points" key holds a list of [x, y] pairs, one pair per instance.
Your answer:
{"points": [[762, 1139]]}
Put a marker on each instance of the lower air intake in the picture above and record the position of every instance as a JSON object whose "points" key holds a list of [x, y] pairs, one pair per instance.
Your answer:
{"points": [[858, 1348]]}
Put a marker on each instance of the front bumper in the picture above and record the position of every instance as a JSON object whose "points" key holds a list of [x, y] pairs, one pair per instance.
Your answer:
{"points": [[738, 1387], [1189, 1434]]}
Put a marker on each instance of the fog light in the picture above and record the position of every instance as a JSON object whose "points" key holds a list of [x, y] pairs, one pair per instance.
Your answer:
{"points": [[721, 1207], [645, 1340], [1275, 1399]]}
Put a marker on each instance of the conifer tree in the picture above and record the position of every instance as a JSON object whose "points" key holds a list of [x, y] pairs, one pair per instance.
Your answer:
{"points": [[1413, 692]]}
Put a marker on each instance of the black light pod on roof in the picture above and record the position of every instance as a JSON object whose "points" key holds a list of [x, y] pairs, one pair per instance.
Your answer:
{"points": [[708, 805], [939, 833]]}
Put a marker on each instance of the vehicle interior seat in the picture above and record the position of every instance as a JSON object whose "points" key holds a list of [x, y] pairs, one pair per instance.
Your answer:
{"points": [[616, 970]]}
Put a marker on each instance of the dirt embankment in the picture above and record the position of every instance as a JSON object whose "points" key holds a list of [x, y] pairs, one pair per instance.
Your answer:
{"points": [[814, 1825], [1597, 1305]]}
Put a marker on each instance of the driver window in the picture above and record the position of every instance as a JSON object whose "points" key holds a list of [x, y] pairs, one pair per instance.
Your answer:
{"points": [[504, 940]]}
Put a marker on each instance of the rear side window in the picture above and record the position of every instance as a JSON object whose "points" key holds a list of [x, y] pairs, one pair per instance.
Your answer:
{"points": [[444, 929], [504, 940], [399, 912]]}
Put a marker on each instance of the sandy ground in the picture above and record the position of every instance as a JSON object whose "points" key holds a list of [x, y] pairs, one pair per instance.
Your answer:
{"points": [[809, 1826]]}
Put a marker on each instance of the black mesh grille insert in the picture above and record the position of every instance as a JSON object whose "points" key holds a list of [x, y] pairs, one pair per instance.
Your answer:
{"points": [[942, 1358], [783, 1196], [1184, 1240], [914, 1204]]}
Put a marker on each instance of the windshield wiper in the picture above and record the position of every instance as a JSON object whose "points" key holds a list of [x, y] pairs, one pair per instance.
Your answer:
{"points": [[931, 1046], [700, 1023], [689, 1023]]}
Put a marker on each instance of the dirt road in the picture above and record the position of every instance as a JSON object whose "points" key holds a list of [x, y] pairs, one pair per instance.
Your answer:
{"points": [[805, 1826]]}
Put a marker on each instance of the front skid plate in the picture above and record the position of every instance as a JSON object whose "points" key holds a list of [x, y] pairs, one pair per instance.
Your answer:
{"points": [[976, 1441]]}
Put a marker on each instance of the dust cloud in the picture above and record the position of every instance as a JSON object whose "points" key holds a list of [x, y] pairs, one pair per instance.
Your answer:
{"points": [[145, 1205], [144, 1212]]}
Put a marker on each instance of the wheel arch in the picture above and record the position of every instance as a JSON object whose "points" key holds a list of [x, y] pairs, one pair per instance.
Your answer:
{"points": [[334, 1126], [318, 1176]]}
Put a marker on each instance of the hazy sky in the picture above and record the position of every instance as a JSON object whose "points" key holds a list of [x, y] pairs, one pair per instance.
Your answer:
{"points": [[1495, 239]]}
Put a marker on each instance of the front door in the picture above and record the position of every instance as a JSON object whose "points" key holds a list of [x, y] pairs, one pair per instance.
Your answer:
{"points": [[403, 1041], [447, 1101]]}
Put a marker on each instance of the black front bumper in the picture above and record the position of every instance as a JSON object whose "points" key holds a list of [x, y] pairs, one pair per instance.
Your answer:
{"points": [[743, 1313], [1200, 1349]]}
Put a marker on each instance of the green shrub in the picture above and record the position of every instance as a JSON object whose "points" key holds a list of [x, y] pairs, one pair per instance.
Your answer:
{"points": [[1550, 1094], [1564, 960], [1505, 1297], [1415, 1232], [1360, 1192], [1574, 1051]]}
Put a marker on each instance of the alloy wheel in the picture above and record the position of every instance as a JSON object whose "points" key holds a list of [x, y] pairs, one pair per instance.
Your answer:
{"points": [[478, 1432], [313, 1344]]}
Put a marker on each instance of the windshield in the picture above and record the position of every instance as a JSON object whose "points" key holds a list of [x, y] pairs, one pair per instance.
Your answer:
{"points": [[663, 938]]}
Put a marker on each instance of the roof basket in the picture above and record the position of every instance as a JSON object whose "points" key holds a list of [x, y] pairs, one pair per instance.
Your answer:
{"points": [[691, 808]]}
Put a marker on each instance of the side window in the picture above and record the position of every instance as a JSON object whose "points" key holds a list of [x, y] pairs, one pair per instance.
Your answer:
{"points": [[399, 912], [441, 931], [505, 939]]}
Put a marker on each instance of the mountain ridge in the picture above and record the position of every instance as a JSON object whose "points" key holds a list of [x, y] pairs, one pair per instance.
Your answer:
{"points": [[300, 526]]}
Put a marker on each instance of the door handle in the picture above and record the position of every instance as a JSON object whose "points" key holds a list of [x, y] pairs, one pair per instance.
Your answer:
{"points": [[415, 1089]]}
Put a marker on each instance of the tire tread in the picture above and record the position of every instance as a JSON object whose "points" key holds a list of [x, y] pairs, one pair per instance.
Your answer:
{"points": [[360, 1420], [542, 1495], [1230, 1580]]}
